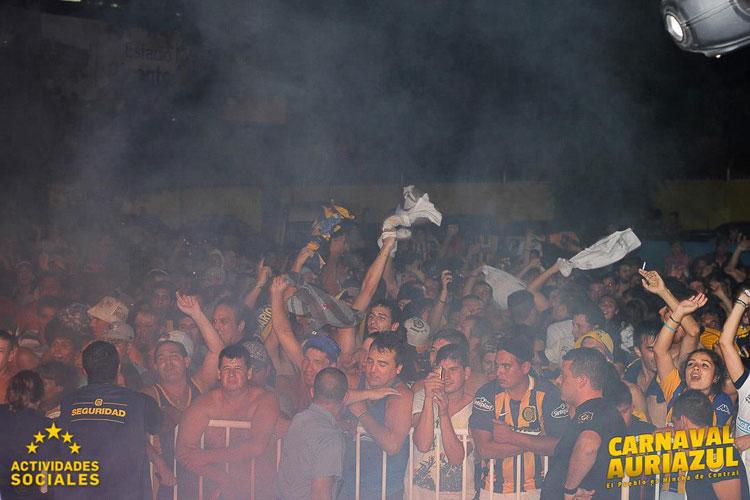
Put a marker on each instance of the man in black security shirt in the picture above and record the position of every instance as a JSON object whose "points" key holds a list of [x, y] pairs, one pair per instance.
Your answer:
{"points": [[579, 465], [110, 424]]}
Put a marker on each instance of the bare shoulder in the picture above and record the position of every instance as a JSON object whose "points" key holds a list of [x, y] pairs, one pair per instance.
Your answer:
{"points": [[210, 399], [403, 391], [260, 395]]}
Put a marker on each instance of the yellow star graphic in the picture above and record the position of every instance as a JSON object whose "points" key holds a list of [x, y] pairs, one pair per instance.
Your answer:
{"points": [[39, 437], [67, 437], [53, 431], [32, 448], [74, 449]]}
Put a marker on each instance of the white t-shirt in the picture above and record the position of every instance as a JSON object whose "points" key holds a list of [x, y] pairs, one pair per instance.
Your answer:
{"points": [[425, 468], [559, 330]]}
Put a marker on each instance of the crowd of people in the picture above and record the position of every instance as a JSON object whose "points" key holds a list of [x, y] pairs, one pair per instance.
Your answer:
{"points": [[344, 353]]}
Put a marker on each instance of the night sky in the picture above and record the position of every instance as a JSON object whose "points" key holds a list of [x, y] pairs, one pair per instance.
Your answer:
{"points": [[591, 96]]}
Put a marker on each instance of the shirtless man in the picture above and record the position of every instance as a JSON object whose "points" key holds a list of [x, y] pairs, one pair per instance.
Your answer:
{"points": [[235, 399]]}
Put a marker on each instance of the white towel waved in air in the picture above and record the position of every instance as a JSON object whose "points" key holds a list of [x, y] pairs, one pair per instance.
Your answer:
{"points": [[602, 253], [408, 212]]}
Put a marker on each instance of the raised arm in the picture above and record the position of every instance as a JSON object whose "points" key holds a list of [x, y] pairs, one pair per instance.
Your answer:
{"points": [[345, 336], [539, 301], [207, 373], [302, 257], [263, 273], [281, 325], [372, 278], [717, 289], [473, 277], [446, 278], [664, 362], [328, 278], [726, 341], [653, 283], [389, 277], [743, 245]]}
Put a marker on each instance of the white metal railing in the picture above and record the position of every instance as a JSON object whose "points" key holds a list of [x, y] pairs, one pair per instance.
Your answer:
{"points": [[227, 425], [464, 436]]}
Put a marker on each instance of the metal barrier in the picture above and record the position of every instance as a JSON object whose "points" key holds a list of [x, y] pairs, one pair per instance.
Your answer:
{"points": [[463, 435], [228, 425]]}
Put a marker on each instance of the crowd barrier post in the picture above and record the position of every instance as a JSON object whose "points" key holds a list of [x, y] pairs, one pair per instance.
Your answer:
{"points": [[227, 425], [463, 435]]}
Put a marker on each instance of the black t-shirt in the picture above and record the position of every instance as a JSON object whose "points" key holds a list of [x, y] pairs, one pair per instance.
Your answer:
{"points": [[110, 424], [703, 488], [593, 415], [17, 430]]}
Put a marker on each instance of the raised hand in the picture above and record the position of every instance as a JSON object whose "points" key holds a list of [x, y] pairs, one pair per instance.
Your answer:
{"points": [[188, 304], [716, 288], [263, 272], [446, 278], [690, 305], [279, 285], [305, 253], [652, 282], [433, 383]]}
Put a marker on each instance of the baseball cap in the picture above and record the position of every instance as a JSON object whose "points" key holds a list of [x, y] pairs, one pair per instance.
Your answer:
{"points": [[417, 332], [118, 330], [110, 310], [602, 337], [324, 344], [179, 337]]}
